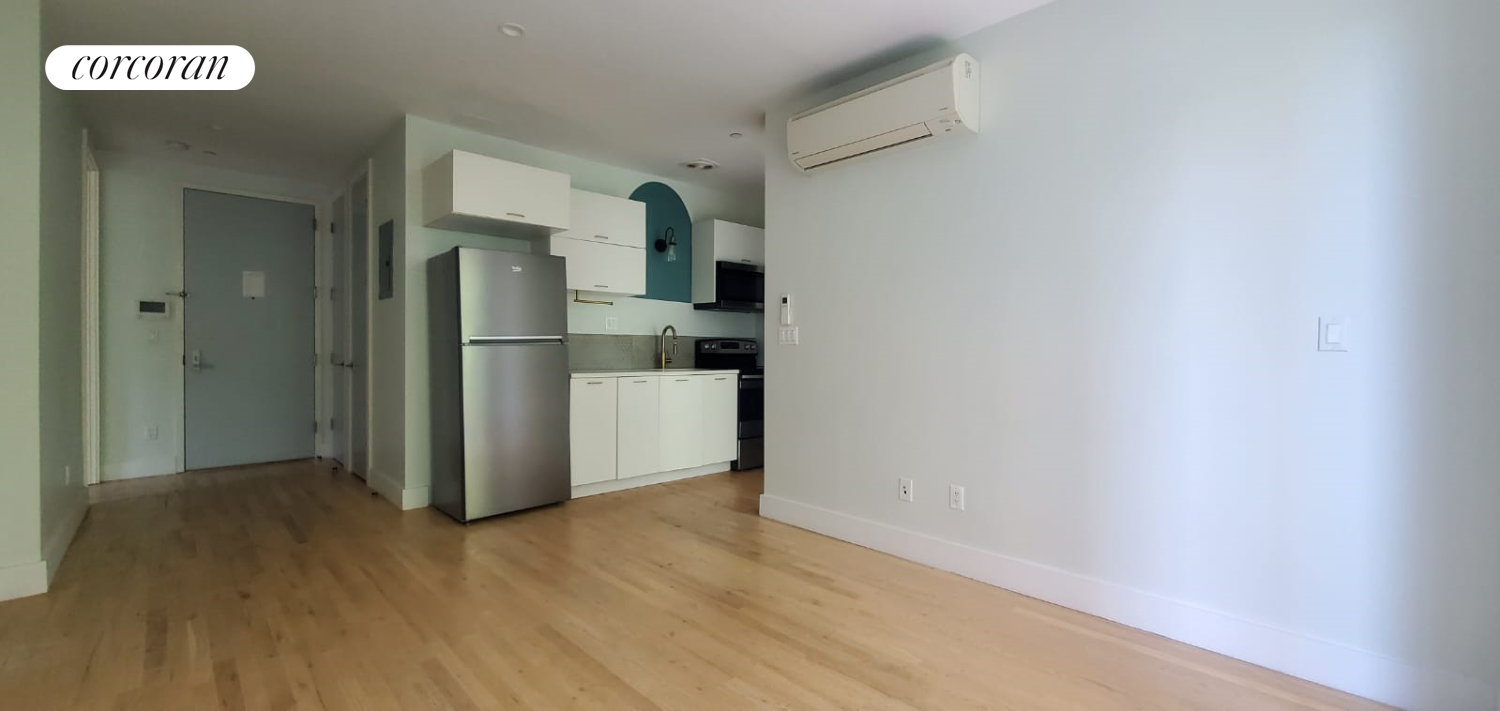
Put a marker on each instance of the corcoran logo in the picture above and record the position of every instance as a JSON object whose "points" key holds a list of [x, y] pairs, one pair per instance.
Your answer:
{"points": [[150, 67]]}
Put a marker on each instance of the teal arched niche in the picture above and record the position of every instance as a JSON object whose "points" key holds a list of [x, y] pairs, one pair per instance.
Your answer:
{"points": [[667, 281]]}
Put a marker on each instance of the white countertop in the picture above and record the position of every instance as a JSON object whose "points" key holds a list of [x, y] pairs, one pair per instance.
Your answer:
{"points": [[653, 371]]}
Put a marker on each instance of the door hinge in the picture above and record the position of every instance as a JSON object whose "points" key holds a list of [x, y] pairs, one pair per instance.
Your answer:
{"points": [[315, 293], [315, 224], [333, 424], [315, 426], [315, 360], [333, 228], [333, 292]]}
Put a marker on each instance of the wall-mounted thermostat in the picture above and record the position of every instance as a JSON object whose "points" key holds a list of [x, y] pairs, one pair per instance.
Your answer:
{"points": [[153, 310], [786, 309]]}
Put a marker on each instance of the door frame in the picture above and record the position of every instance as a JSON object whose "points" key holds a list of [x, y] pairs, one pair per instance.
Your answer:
{"points": [[364, 170], [92, 442], [180, 322]]}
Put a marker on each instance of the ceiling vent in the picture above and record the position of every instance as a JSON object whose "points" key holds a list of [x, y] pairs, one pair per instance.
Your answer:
{"points": [[702, 165]]}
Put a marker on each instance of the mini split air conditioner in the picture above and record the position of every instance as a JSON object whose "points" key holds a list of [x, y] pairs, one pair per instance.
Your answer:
{"points": [[933, 103]]}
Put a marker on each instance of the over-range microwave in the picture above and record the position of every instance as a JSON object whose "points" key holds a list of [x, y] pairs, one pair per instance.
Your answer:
{"points": [[737, 287]]}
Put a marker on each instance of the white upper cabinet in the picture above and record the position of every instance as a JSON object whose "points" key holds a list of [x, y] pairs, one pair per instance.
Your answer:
{"points": [[602, 267], [607, 219], [729, 242], [474, 193], [717, 241], [721, 409]]}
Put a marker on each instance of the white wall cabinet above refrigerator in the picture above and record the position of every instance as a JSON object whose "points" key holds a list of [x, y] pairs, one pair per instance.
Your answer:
{"points": [[468, 192], [608, 219]]}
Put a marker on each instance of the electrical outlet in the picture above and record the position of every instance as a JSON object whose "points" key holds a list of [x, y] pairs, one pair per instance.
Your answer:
{"points": [[955, 497], [906, 487], [67, 474], [611, 323], [152, 432]]}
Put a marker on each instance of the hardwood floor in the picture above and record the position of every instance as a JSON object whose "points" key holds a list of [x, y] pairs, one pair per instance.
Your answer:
{"points": [[290, 587]]}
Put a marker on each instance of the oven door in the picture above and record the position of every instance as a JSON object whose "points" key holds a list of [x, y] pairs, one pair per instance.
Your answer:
{"points": [[752, 406]]}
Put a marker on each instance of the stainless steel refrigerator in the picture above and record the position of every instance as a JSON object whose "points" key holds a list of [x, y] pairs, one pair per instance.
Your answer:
{"points": [[498, 323]]}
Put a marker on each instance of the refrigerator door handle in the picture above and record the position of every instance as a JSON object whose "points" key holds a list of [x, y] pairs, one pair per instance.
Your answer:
{"points": [[506, 340]]}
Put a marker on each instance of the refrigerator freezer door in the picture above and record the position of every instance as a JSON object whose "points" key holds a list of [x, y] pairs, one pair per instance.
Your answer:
{"points": [[511, 294], [515, 415]]}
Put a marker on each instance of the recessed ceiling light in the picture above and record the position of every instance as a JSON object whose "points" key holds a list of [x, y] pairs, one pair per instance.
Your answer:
{"points": [[177, 145], [736, 135], [210, 153], [216, 126], [700, 164], [511, 29]]}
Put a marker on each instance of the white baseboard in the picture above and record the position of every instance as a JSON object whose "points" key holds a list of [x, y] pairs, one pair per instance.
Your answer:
{"points": [[23, 580], [605, 487], [1348, 669], [396, 493], [416, 498], [56, 545], [138, 468]]}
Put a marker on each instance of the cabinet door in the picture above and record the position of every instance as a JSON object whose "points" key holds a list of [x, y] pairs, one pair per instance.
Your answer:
{"points": [[639, 426], [591, 427], [594, 266], [502, 190], [720, 418], [739, 243], [607, 219], [681, 422]]}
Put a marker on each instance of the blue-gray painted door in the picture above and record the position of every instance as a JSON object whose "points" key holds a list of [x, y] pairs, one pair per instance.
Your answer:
{"points": [[249, 391], [338, 299], [359, 342]]}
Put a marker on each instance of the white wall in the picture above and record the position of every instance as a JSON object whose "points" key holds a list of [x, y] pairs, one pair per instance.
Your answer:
{"points": [[140, 226], [387, 325], [21, 572], [1100, 317], [64, 500], [426, 141]]}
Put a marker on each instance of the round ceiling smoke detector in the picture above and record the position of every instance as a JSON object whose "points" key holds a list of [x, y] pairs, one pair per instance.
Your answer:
{"points": [[178, 145], [701, 165], [513, 30]]}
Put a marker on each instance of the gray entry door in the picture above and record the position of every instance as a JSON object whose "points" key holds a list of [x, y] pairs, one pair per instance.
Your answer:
{"points": [[359, 344], [338, 299], [248, 330]]}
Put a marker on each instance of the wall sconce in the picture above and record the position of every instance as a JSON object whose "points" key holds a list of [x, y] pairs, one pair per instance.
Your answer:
{"points": [[668, 244]]}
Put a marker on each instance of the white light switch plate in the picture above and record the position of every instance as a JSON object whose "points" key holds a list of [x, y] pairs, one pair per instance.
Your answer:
{"points": [[611, 323], [789, 336], [1333, 333]]}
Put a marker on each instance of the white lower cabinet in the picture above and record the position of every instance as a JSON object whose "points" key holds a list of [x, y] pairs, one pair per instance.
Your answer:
{"points": [[639, 426], [721, 421], [626, 426], [591, 429], [681, 422]]}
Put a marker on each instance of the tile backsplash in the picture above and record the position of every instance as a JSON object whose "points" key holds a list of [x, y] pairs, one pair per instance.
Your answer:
{"points": [[587, 351]]}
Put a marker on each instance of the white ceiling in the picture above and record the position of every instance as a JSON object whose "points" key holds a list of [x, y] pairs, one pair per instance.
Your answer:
{"points": [[643, 84]]}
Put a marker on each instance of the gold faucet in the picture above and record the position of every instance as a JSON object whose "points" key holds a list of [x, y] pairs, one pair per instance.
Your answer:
{"points": [[665, 358]]}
